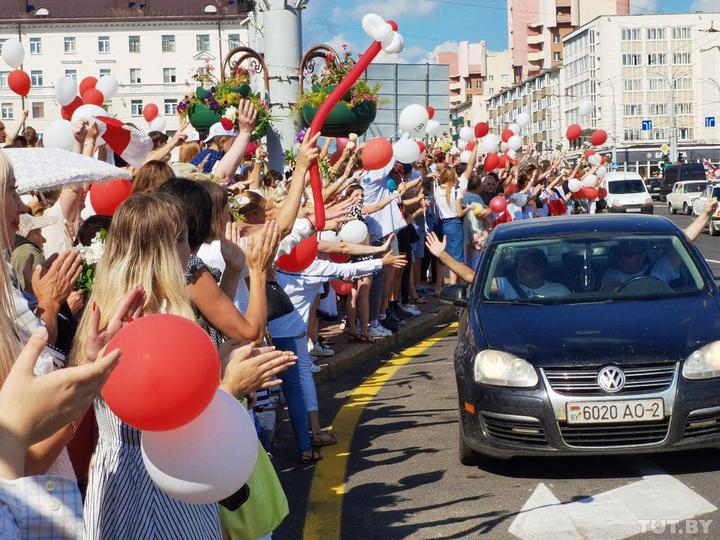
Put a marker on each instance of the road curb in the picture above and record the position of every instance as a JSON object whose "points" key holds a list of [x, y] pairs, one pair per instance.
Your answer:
{"points": [[358, 354]]}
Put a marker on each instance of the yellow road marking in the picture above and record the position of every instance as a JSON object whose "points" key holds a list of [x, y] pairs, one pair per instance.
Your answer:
{"points": [[324, 513]]}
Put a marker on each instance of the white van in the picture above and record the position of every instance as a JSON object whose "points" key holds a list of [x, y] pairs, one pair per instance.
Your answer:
{"points": [[626, 192]]}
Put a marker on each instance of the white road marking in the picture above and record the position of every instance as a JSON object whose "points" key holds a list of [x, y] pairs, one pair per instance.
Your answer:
{"points": [[612, 515], [712, 261]]}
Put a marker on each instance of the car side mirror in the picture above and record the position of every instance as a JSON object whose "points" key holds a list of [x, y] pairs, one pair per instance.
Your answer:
{"points": [[455, 294]]}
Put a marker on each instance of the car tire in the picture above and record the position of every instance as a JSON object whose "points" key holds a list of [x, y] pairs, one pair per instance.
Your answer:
{"points": [[686, 209], [671, 209], [712, 230], [467, 455]]}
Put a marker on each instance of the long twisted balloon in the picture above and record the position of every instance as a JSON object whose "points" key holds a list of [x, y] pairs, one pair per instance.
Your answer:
{"points": [[386, 37]]}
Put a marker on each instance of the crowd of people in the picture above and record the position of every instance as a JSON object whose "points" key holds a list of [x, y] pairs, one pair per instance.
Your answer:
{"points": [[200, 237]]}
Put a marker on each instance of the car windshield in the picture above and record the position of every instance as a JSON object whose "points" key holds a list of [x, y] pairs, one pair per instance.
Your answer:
{"points": [[692, 172], [624, 187], [716, 192], [572, 270], [695, 187]]}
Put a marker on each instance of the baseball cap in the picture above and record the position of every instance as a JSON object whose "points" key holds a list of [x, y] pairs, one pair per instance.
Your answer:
{"points": [[217, 130], [192, 134], [30, 223]]}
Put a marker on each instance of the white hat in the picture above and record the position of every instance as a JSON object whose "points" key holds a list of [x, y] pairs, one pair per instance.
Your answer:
{"points": [[30, 223], [217, 130], [192, 134]]}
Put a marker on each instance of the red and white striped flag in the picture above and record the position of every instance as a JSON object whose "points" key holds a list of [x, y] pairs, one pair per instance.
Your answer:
{"points": [[130, 144]]}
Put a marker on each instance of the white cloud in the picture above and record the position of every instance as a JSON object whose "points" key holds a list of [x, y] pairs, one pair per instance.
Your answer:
{"points": [[445, 46], [708, 6], [640, 7], [392, 9]]}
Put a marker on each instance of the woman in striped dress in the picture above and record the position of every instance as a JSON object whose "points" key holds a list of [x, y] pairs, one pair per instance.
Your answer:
{"points": [[146, 245]]}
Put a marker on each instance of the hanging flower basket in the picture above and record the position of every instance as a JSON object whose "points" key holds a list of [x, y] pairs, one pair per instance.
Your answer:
{"points": [[342, 119]]}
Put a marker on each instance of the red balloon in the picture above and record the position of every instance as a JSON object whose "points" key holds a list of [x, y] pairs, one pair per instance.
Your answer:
{"points": [[376, 154], [481, 129], [341, 287], [578, 195], [19, 82], [590, 193], [93, 97], [491, 162], [506, 134], [86, 84], [502, 162], [430, 111], [68, 110], [589, 153], [340, 144], [573, 132], [598, 137], [421, 146], [602, 193], [168, 375], [106, 197], [470, 146], [603, 160], [150, 112], [498, 204], [250, 149], [339, 258], [394, 25], [300, 257]]}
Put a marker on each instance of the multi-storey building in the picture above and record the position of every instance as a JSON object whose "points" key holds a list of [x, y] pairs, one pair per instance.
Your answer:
{"points": [[154, 48]]}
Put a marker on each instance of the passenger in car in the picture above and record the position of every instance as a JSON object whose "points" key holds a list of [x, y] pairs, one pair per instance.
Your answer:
{"points": [[530, 279], [633, 262]]}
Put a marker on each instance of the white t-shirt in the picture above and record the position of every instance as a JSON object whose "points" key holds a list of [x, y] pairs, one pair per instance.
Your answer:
{"points": [[56, 235], [211, 255], [375, 189], [443, 208], [548, 289], [661, 270]]}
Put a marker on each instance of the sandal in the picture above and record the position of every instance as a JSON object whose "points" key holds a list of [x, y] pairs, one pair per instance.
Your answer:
{"points": [[310, 457], [324, 439], [358, 338], [419, 300]]}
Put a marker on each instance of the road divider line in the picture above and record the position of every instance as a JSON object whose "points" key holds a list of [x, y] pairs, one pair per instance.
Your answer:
{"points": [[712, 261], [324, 510]]}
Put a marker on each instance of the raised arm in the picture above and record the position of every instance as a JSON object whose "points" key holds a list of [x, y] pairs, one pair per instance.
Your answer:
{"points": [[247, 116], [695, 229], [437, 248], [178, 139], [16, 130]]}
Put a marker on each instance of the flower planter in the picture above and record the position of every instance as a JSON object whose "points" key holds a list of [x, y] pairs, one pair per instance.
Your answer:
{"points": [[343, 120], [202, 117]]}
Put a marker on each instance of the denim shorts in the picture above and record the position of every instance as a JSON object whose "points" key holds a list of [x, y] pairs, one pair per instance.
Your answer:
{"points": [[452, 228]]}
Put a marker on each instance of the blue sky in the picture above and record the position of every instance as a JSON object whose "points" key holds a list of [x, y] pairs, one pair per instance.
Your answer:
{"points": [[432, 25]]}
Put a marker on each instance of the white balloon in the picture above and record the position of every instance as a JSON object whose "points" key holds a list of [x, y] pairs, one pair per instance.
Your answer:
{"points": [[59, 134], [574, 185], [465, 156], [514, 128], [595, 159], [413, 118], [586, 108], [454, 151], [383, 32], [432, 127], [467, 133], [370, 22], [504, 146], [354, 232], [512, 154], [515, 142], [190, 463], [108, 85], [406, 150], [589, 181], [65, 90], [462, 145], [520, 199], [13, 52], [523, 119], [329, 236], [158, 124], [394, 45], [84, 112], [489, 142], [601, 171]]}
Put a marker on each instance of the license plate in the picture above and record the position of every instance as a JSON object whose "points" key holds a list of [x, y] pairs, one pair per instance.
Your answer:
{"points": [[633, 210], [612, 412]]}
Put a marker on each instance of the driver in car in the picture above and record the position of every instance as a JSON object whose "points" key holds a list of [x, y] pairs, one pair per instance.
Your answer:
{"points": [[530, 282], [633, 263]]}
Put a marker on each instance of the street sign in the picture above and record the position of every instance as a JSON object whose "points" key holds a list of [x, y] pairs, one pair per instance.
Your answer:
{"points": [[647, 125], [664, 148], [614, 166], [458, 121], [709, 121]]}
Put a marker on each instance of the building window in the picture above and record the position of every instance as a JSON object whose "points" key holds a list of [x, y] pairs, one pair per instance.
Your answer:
{"points": [[468, 84], [202, 42], [69, 45], [168, 43], [658, 109], [38, 109], [3, 78], [233, 41], [683, 108], [136, 107], [72, 73], [632, 85], [681, 58], [491, 90], [685, 133], [504, 78], [170, 107], [631, 60], [134, 44], [658, 84], [682, 32], [478, 84], [631, 34], [683, 84], [6, 111], [135, 76], [557, 56], [556, 38], [655, 33], [657, 59], [35, 45], [491, 77], [36, 77], [105, 72], [104, 44], [169, 75], [633, 110]]}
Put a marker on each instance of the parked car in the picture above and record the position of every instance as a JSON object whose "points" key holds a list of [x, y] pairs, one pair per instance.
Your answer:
{"points": [[683, 195], [627, 193], [679, 173], [587, 335], [711, 190]]}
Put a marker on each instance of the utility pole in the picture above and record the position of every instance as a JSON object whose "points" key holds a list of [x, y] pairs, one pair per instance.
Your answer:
{"points": [[673, 127]]}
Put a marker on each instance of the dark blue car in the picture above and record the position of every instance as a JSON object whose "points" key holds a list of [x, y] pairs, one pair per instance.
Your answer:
{"points": [[588, 335]]}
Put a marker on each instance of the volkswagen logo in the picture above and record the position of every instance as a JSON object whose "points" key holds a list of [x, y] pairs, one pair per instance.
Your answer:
{"points": [[611, 379]]}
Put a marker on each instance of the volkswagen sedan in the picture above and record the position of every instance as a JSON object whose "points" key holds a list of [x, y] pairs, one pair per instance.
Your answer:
{"points": [[588, 335]]}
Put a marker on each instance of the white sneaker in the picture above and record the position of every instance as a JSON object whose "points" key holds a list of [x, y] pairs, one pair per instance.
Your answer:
{"points": [[413, 310], [378, 332], [314, 368], [320, 350]]}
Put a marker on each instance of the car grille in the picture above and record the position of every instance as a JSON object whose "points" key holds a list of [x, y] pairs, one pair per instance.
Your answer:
{"points": [[513, 431], [610, 435], [647, 378], [701, 426]]}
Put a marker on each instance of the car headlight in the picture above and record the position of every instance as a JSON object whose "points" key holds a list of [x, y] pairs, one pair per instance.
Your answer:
{"points": [[615, 202], [648, 201], [703, 363], [499, 368]]}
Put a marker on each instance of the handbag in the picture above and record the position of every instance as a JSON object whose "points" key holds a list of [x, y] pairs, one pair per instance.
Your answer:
{"points": [[278, 302]]}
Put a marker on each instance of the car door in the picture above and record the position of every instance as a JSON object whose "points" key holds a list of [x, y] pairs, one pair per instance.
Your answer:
{"points": [[673, 197]]}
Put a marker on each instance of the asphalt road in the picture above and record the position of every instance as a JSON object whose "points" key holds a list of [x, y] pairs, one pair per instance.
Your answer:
{"points": [[404, 479]]}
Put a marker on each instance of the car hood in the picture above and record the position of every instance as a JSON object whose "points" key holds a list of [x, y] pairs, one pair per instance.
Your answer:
{"points": [[587, 334]]}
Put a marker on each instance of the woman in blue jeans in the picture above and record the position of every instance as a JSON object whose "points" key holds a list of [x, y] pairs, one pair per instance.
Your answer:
{"points": [[447, 197]]}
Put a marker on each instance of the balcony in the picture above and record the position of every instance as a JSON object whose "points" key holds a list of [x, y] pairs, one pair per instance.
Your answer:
{"points": [[536, 56], [563, 17], [536, 24], [455, 85], [536, 40], [563, 3]]}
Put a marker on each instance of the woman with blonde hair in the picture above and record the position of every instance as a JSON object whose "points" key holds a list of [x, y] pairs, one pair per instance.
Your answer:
{"points": [[189, 150], [447, 196]]}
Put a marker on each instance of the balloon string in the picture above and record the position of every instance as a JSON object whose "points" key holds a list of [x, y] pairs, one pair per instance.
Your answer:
{"points": [[321, 116]]}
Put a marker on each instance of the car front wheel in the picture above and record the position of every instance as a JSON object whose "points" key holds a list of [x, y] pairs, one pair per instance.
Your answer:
{"points": [[467, 455], [712, 229], [686, 209], [670, 208]]}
